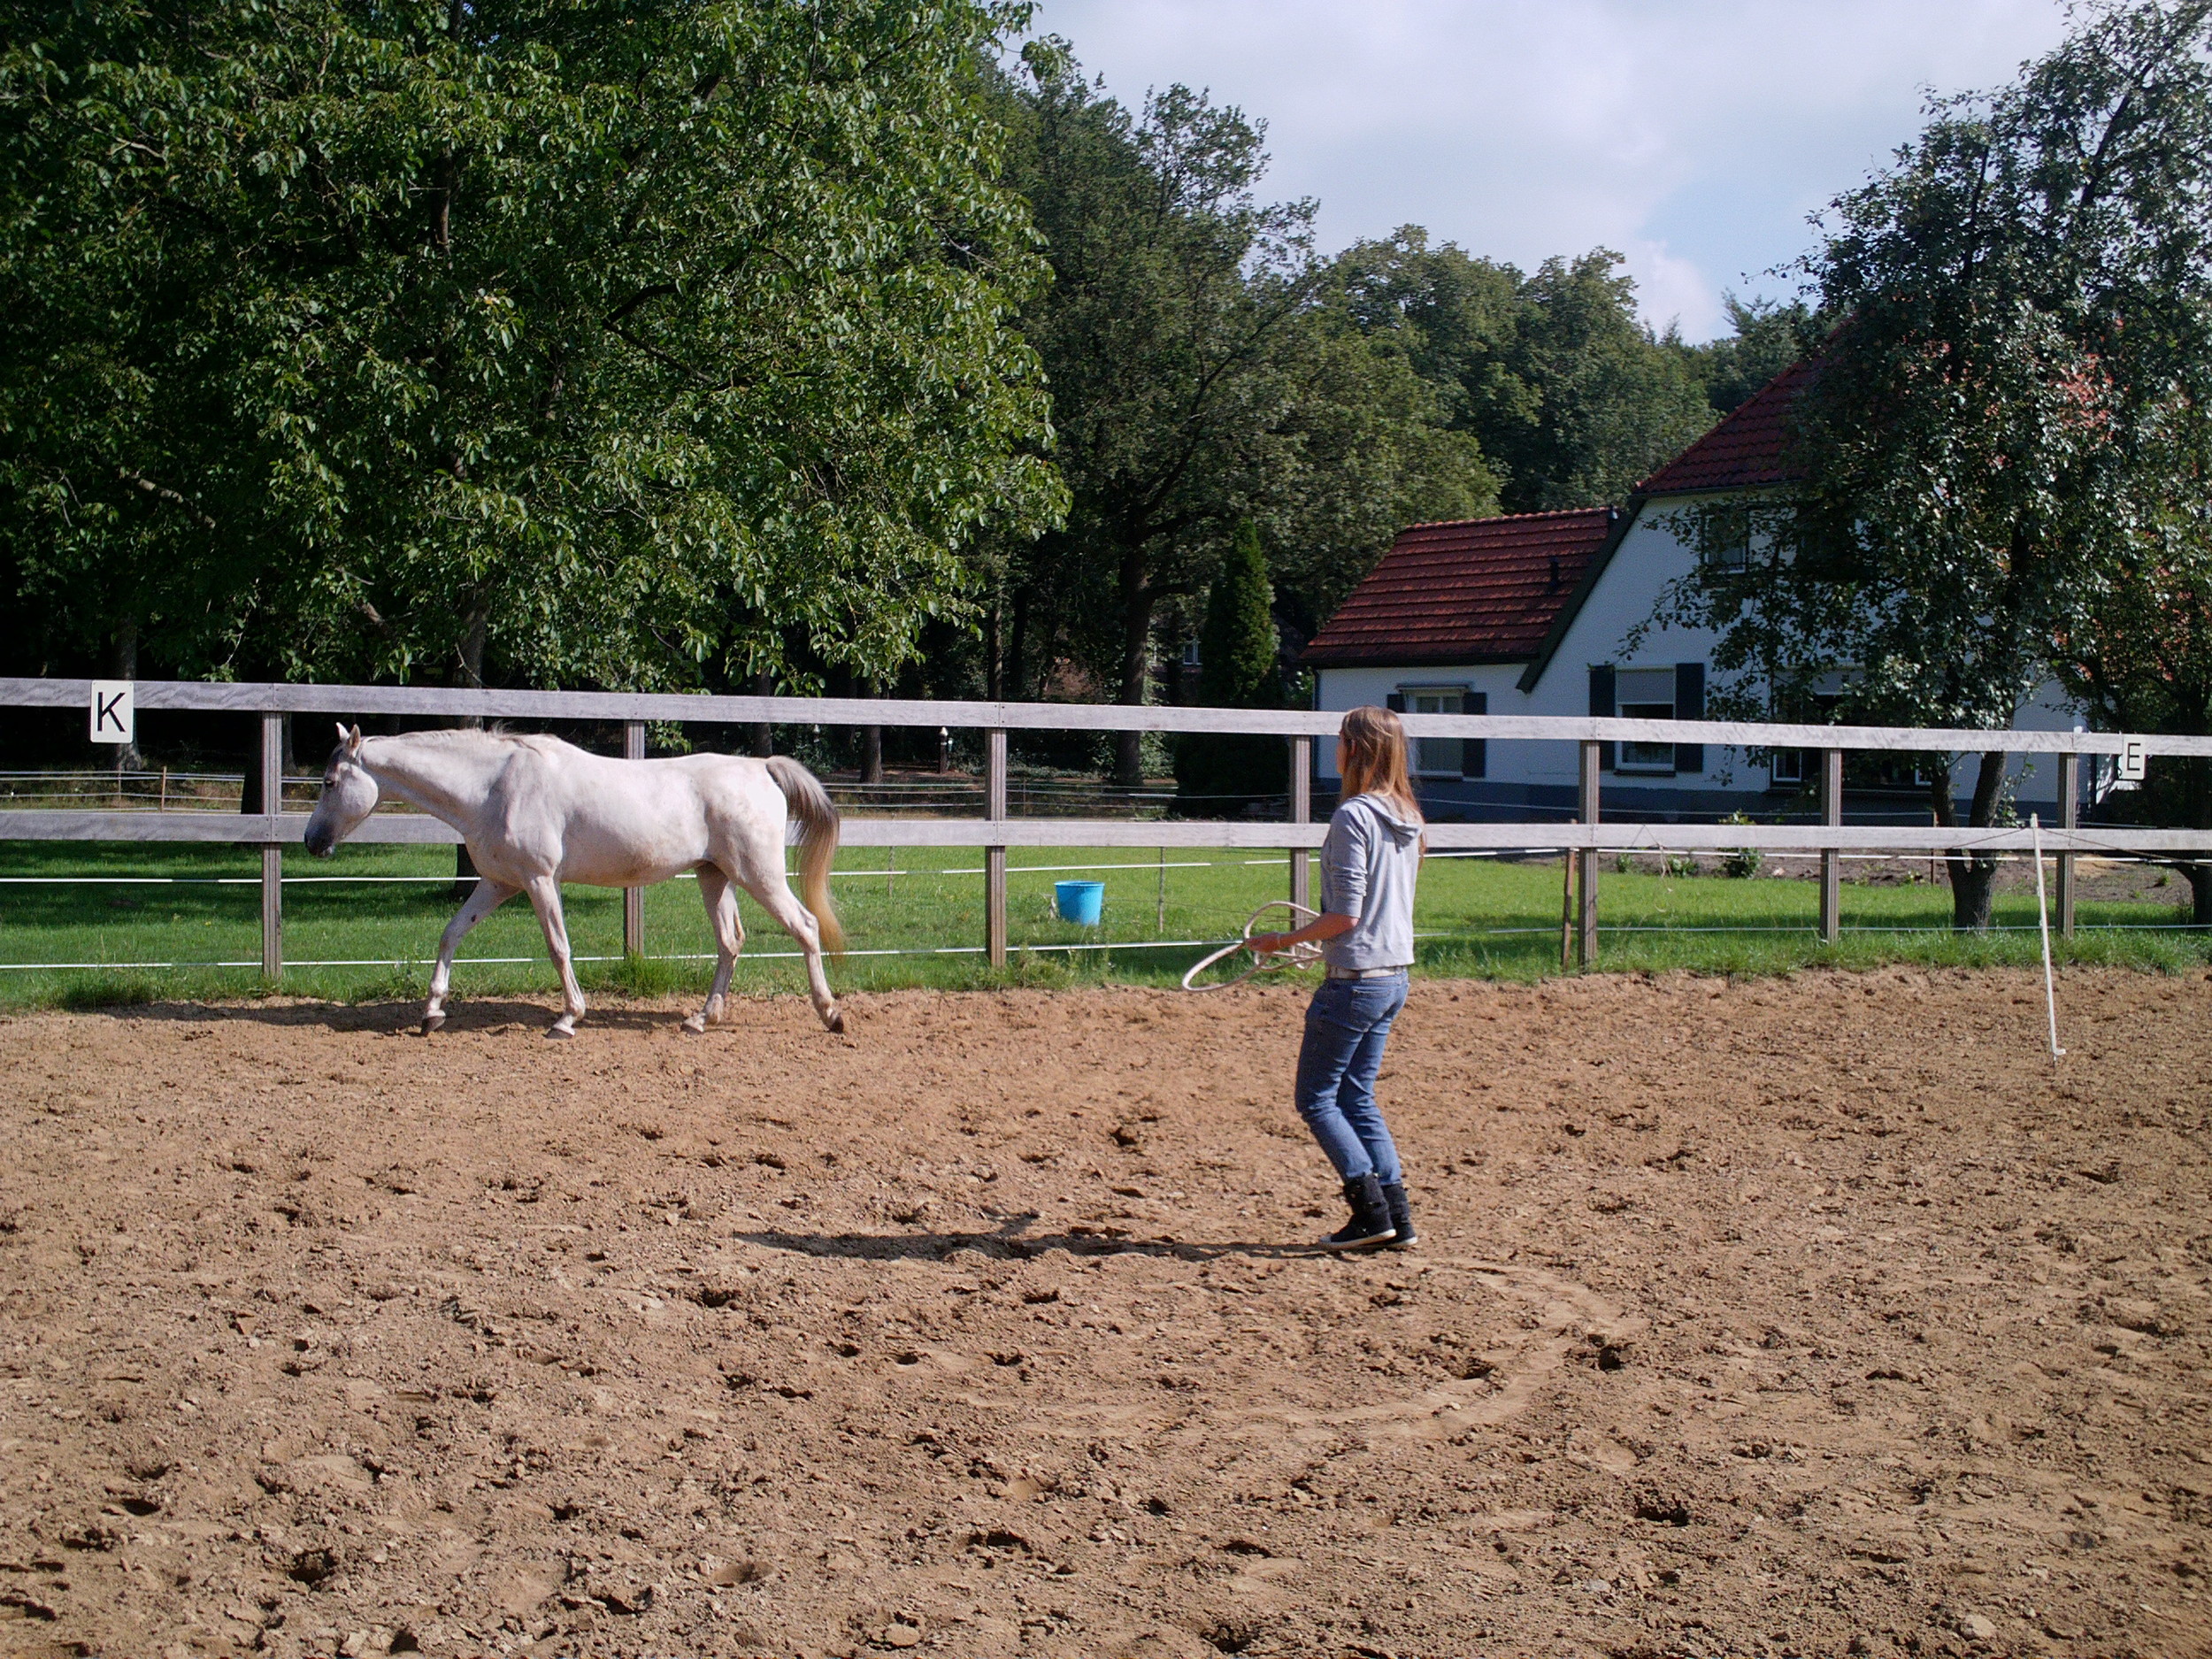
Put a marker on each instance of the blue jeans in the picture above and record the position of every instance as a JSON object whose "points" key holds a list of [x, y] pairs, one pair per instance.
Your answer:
{"points": [[1347, 1025]]}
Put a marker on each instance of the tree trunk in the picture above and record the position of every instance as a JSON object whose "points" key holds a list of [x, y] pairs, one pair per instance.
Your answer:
{"points": [[871, 742], [994, 660], [2196, 812], [2200, 874], [764, 733], [1136, 654], [1973, 876], [1016, 680], [123, 665], [465, 875]]}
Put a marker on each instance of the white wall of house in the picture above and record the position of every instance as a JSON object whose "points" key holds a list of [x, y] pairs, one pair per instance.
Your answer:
{"points": [[1649, 557]]}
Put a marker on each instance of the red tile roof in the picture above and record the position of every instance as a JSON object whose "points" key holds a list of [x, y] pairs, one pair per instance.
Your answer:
{"points": [[1748, 449], [1477, 590]]}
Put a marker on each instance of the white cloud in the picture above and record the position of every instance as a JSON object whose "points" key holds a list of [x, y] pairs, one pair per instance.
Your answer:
{"points": [[1694, 136]]}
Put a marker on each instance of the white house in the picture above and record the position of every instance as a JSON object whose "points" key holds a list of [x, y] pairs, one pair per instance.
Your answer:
{"points": [[1529, 614]]}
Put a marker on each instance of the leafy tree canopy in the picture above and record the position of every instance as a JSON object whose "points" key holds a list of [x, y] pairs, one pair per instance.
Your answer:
{"points": [[1240, 666], [2009, 427], [560, 342], [1198, 379], [1571, 397]]}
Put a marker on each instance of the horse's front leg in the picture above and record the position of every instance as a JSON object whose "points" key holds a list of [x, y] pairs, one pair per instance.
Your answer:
{"points": [[488, 897], [545, 899], [720, 899]]}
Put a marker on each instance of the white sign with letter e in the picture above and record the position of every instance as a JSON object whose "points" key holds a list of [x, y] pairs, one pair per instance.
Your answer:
{"points": [[2131, 760], [114, 712]]}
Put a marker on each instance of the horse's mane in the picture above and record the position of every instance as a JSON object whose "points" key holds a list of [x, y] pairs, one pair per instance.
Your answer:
{"points": [[494, 732]]}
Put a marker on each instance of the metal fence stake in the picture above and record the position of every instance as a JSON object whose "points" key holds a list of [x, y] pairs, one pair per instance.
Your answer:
{"points": [[1831, 861], [1587, 865], [634, 898], [1300, 812], [272, 850], [2069, 817], [994, 857]]}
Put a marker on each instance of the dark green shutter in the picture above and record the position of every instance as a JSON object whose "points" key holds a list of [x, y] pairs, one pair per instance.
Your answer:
{"points": [[1601, 708], [1395, 702], [1689, 705], [1474, 755]]}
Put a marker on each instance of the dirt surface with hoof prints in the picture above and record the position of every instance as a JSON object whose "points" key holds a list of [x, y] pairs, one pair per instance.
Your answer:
{"points": [[1805, 1317]]}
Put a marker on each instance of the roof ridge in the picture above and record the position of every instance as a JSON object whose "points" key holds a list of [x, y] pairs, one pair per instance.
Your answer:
{"points": [[1747, 447], [1502, 518]]}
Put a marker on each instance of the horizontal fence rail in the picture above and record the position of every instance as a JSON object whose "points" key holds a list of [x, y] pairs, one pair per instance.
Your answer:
{"points": [[264, 699], [410, 829], [995, 832]]}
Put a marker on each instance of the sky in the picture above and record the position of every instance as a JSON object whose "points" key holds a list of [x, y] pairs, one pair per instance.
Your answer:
{"points": [[1691, 136]]}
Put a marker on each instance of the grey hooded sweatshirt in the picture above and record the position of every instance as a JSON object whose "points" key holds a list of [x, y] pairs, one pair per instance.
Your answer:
{"points": [[1369, 864]]}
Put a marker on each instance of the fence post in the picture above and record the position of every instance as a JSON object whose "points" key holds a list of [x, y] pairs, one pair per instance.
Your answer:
{"points": [[994, 857], [1831, 861], [273, 849], [1300, 812], [1587, 865], [634, 898], [2069, 818]]}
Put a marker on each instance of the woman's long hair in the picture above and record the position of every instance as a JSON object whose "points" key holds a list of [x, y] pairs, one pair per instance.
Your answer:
{"points": [[1370, 758]]}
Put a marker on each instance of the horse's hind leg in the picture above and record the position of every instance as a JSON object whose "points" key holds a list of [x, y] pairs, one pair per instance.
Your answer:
{"points": [[545, 898], [780, 901], [488, 897], [720, 898]]}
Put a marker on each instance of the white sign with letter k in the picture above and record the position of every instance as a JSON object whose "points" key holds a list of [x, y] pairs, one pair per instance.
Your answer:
{"points": [[114, 712]]}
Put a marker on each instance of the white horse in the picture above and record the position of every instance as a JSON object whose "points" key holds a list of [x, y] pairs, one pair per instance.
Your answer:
{"points": [[535, 812]]}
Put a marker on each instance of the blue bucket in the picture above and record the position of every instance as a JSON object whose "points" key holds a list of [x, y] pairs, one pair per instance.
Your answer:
{"points": [[1079, 901]]}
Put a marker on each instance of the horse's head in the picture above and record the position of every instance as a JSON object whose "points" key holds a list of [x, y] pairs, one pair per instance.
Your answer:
{"points": [[349, 794]]}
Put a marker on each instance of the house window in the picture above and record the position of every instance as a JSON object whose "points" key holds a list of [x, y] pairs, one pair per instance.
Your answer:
{"points": [[1727, 543], [1445, 756], [1645, 694], [1435, 755], [1190, 654]]}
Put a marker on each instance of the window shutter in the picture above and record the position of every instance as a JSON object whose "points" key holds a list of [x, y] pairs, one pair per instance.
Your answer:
{"points": [[1395, 702], [1474, 758], [1601, 708], [1689, 705]]}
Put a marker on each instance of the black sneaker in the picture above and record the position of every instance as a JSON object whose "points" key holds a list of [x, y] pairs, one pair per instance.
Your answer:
{"points": [[1400, 1217], [1370, 1224]]}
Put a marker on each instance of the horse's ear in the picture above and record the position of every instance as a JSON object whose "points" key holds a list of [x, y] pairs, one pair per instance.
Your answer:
{"points": [[352, 740], [344, 736]]}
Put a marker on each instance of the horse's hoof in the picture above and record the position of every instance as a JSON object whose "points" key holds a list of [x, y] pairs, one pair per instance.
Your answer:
{"points": [[561, 1030], [697, 1023], [836, 1022], [431, 1022]]}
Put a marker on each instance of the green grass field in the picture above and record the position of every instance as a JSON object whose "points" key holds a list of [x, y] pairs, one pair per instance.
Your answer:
{"points": [[194, 929]]}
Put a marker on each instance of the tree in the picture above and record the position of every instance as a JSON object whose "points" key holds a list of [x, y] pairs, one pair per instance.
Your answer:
{"points": [[1240, 659], [551, 341], [2144, 663], [1999, 430], [1196, 382], [1571, 397], [1765, 341]]}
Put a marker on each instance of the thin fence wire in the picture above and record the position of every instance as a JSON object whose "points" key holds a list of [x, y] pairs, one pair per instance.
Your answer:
{"points": [[1807, 930]]}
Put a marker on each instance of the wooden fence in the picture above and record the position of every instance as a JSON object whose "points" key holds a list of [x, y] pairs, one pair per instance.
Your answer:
{"points": [[1587, 838]]}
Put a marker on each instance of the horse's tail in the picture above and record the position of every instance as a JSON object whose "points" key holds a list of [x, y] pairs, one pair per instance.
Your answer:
{"points": [[810, 804]]}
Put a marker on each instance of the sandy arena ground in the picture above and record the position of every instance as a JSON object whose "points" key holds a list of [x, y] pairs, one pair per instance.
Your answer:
{"points": [[1810, 1316]]}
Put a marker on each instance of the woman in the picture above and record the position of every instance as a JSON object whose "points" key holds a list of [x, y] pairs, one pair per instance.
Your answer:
{"points": [[1369, 864]]}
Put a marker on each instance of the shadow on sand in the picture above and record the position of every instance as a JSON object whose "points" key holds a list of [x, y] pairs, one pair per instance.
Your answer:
{"points": [[406, 1018], [1012, 1244]]}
